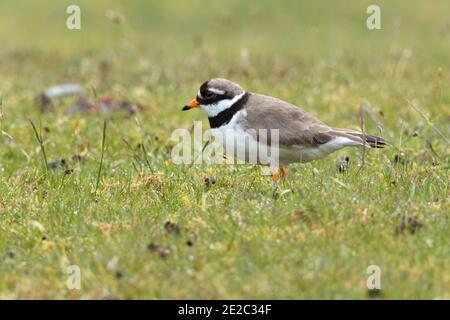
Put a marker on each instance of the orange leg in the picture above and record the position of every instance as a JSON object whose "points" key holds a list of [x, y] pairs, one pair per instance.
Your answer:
{"points": [[283, 172], [275, 177]]}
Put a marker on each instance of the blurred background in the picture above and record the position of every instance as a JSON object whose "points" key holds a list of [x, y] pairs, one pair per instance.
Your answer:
{"points": [[300, 28], [173, 41]]}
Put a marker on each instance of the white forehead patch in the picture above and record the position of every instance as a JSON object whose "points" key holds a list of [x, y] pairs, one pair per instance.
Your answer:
{"points": [[216, 91], [199, 94]]}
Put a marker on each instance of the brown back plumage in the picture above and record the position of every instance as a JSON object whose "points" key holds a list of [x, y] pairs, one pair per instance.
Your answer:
{"points": [[296, 126]]}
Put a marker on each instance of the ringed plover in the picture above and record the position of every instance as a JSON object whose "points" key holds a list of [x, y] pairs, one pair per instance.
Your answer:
{"points": [[301, 136]]}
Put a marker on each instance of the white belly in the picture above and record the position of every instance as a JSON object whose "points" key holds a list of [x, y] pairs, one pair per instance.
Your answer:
{"points": [[243, 146]]}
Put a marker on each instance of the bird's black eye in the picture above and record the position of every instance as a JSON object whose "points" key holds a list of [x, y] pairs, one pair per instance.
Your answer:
{"points": [[209, 95]]}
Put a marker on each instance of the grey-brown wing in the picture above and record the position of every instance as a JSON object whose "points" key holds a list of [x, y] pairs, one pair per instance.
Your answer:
{"points": [[296, 127]]}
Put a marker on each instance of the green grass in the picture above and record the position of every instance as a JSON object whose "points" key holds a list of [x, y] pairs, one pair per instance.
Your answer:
{"points": [[314, 241]]}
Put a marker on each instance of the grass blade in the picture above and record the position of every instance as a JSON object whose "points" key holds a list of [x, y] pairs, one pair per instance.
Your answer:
{"points": [[41, 143], [100, 167]]}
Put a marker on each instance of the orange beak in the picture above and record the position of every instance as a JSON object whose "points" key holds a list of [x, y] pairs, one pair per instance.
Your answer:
{"points": [[192, 104]]}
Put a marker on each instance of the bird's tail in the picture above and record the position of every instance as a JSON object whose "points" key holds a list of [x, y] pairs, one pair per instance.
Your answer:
{"points": [[363, 139]]}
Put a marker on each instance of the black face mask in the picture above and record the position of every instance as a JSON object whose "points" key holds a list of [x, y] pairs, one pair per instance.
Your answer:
{"points": [[210, 98], [226, 115]]}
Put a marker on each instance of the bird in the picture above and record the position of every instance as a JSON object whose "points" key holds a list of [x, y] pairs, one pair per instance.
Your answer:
{"points": [[246, 118]]}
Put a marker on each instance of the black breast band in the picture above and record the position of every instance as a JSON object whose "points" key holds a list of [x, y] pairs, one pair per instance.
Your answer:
{"points": [[226, 115]]}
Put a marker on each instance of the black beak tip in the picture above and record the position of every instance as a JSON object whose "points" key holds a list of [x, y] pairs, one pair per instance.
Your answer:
{"points": [[185, 108]]}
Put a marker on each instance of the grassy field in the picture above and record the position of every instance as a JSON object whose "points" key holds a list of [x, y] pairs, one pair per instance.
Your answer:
{"points": [[153, 229]]}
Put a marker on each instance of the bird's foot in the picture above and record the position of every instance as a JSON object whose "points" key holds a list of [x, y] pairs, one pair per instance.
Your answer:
{"points": [[283, 173]]}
